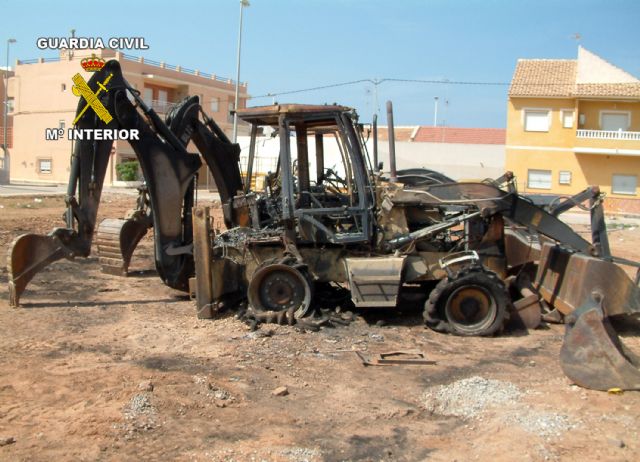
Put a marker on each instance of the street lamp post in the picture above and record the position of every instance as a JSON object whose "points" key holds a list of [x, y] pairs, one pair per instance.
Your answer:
{"points": [[7, 163], [435, 111], [243, 3]]}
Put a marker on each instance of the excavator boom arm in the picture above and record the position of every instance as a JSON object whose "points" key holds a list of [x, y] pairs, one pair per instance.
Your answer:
{"points": [[169, 171]]}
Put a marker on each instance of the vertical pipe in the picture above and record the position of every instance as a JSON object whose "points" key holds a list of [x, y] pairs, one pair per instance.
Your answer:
{"points": [[375, 142], [252, 154], [284, 160], [303, 164], [319, 158], [392, 142]]}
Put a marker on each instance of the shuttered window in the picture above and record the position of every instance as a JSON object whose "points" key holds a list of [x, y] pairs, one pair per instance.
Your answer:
{"points": [[565, 177], [539, 179], [624, 184], [536, 120], [567, 119], [44, 165]]}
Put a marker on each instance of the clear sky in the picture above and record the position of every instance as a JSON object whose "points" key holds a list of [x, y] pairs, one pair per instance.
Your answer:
{"points": [[297, 44]]}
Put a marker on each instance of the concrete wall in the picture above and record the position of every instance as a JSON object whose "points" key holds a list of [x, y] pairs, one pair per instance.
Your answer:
{"points": [[459, 161]]}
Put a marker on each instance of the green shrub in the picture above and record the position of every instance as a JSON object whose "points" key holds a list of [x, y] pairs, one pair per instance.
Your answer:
{"points": [[128, 171]]}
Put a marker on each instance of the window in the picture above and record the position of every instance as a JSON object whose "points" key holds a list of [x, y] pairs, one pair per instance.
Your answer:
{"points": [[624, 184], [44, 166], [566, 115], [231, 110], [148, 96], [9, 105], [565, 177], [539, 179], [536, 120], [215, 104], [61, 124], [63, 87], [614, 121]]}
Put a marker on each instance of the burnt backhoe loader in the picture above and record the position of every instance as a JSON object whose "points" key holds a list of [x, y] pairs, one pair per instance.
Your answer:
{"points": [[327, 218]]}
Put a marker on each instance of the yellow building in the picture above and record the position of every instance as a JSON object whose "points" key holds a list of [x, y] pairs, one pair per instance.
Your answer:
{"points": [[575, 123], [41, 90]]}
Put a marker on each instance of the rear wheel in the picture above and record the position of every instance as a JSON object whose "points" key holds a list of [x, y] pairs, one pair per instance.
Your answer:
{"points": [[474, 302]]}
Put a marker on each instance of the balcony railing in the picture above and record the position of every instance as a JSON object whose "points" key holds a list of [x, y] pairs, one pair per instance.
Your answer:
{"points": [[609, 135], [161, 107]]}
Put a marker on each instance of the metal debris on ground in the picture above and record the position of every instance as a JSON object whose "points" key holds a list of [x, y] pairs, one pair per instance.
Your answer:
{"points": [[7, 441], [407, 357], [317, 319]]}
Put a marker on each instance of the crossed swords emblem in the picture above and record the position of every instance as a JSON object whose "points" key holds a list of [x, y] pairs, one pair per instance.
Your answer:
{"points": [[81, 88]]}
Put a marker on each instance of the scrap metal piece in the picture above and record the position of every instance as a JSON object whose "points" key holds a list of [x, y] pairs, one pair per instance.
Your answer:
{"points": [[592, 354], [402, 357]]}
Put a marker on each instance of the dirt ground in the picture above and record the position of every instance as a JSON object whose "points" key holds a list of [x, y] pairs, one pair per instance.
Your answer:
{"points": [[99, 367]]}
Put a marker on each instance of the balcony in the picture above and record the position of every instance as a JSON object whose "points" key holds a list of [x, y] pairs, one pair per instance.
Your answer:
{"points": [[608, 142], [608, 135]]}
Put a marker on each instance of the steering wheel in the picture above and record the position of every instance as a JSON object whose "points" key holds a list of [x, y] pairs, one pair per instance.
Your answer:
{"points": [[334, 182]]}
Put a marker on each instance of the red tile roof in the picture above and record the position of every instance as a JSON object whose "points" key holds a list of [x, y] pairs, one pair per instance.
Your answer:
{"points": [[543, 77], [461, 135], [401, 133], [587, 76]]}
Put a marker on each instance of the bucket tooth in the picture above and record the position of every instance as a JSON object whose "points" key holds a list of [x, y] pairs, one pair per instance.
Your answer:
{"points": [[592, 355]]}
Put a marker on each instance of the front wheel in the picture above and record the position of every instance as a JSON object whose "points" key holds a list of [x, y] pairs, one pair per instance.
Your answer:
{"points": [[474, 302]]}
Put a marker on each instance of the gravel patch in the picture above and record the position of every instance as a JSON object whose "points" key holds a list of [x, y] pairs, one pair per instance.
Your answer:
{"points": [[544, 424], [469, 397], [302, 454], [139, 404]]}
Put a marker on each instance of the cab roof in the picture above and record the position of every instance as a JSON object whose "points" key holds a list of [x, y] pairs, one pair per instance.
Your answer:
{"points": [[268, 115]]}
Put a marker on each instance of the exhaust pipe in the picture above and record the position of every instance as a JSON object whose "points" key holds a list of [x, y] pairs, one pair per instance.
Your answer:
{"points": [[392, 142], [375, 143]]}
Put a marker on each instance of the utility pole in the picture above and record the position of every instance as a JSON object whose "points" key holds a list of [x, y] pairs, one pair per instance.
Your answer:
{"points": [[243, 3], [7, 160]]}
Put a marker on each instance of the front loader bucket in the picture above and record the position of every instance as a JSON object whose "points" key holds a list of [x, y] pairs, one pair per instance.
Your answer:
{"points": [[28, 254], [116, 240], [593, 355]]}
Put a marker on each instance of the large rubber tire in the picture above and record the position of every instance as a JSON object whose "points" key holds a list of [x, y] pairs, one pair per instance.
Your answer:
{"points": [[474, 302]]}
